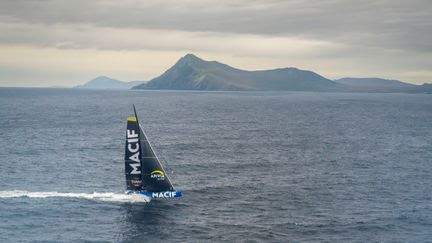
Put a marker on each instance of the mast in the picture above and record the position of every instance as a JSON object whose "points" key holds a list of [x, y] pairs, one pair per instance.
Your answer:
{"points": [[136, 117]]}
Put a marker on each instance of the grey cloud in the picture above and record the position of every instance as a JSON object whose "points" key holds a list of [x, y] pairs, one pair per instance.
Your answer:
{"points": [[388, 38], [393, 24]]}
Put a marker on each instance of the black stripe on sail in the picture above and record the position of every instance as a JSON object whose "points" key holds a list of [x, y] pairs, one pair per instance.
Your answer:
{"points": [[133, 155]]}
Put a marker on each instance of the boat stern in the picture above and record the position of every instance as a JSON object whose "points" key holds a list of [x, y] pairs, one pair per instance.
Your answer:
{"points": [[138, 196]]}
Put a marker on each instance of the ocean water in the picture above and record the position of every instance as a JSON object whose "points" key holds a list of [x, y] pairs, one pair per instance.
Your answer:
{"points": [[253, 166]]}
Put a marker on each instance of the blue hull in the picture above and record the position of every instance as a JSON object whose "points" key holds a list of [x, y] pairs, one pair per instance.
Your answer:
{"points": [[150, 195]]}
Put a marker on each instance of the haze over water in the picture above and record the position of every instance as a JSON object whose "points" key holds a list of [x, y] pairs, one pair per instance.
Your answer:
{"points": [[253, 166]]}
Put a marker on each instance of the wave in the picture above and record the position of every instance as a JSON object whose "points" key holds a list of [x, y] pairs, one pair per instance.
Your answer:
{"points": [[101, 196]]}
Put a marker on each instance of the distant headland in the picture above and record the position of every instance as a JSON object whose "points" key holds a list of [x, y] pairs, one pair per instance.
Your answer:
{"points": [[193, 73]]}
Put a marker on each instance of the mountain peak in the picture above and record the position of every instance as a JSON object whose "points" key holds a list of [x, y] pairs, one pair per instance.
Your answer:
{"points": [[191, 56], [102, 78], [104, 82], [191, 59]]}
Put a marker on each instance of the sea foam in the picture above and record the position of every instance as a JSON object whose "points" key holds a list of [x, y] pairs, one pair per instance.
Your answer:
{"points": [[101, 196]]}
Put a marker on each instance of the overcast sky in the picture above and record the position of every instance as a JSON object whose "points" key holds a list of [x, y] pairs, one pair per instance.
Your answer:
{"points": [[65, 43]]}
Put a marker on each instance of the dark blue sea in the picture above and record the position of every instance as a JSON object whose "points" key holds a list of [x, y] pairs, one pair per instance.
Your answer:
{"points": [[253, 166]]}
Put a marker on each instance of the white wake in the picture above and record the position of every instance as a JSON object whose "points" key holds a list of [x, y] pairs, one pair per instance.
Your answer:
{"points": [[101, 196]]}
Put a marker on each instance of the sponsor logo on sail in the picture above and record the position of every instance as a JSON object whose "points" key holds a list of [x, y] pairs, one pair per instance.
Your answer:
{"points": [[136, 182], [133, 148], [157, 174]]}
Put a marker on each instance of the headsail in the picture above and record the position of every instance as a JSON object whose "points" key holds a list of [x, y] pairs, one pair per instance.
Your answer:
{"points": [[152, 176]]}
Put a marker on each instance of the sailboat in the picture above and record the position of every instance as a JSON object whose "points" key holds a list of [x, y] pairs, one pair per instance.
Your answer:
{"points": [[145, 177]]}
